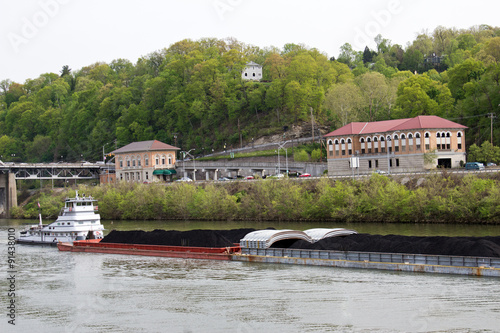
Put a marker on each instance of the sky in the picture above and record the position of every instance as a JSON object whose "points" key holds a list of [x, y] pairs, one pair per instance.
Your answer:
{"points": [[42, 36]]}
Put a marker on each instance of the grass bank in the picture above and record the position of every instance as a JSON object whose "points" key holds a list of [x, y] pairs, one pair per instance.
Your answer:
{"points": [[435, 198]]}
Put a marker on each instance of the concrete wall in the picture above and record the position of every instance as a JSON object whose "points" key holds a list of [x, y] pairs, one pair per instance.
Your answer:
{"points": [[8, 193]]}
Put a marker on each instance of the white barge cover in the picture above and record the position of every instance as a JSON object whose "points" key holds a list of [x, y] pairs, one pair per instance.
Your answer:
{"points": [[263, 239], [320, 233]]}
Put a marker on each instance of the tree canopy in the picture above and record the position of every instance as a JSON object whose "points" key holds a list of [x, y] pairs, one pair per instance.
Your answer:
{"points": [[194, 91]]}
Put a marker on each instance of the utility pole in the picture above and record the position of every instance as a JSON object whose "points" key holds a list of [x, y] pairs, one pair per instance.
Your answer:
{"points": [[239, 131], [492, 115], [312, 123]]}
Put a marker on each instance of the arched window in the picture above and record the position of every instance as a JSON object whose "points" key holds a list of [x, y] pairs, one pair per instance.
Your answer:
{"points": [[337, 147], [162, 159], [121, 162], [157, 160], [146, 160], [459, 140], [362, 141], [417, 141], [427, 140], [138, 160], [330, 148], [128, 161]]}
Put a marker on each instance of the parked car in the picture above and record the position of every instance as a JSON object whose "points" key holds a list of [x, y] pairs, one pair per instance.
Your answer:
{"points": [[223, 179], [249, 177], [380, 172], [491, 164], [305, 175], [474, 166], [184, 179]]}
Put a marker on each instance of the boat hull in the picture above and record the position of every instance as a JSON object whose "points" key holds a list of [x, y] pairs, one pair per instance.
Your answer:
{"points": [[150, 250], [476, 266]]}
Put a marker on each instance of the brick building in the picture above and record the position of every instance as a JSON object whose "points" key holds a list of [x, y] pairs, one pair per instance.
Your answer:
{"points": [[400, 145], [145, 161]]}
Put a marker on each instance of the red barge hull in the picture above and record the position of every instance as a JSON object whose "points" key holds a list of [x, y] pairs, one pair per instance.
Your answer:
{"points": [[223, 253]]}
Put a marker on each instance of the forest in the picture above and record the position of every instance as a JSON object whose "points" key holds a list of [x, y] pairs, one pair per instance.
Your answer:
{"points": [[191, 94]]}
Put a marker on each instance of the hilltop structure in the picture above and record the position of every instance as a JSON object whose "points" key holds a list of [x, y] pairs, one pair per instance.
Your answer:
{"points": [[252, 71], [412, 144]]}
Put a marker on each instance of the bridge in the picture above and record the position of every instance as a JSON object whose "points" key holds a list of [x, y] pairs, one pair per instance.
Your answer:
{"points": [[207, 170], [10, 172]]}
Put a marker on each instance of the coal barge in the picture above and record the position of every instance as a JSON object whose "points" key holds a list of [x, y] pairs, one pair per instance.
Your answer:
{"points": [[315, 248]]}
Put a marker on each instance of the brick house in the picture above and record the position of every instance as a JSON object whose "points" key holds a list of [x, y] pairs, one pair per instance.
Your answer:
{"points": [[145, 161], [400, 145]]}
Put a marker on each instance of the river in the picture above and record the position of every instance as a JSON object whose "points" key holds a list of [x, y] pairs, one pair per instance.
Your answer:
{"points": [[77, 292]]}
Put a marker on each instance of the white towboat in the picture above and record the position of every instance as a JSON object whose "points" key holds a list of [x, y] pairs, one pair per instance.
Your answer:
{"points": [[78, 220]]}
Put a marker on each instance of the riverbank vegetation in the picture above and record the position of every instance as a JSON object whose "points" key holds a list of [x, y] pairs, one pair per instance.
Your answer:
{"points": [[435, 198]]}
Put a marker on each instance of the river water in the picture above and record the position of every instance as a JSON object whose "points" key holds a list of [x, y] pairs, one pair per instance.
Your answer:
{"points": [[77, 292]]}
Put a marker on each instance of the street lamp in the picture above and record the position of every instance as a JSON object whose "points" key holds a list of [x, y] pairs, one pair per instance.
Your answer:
{"points": [[184, 153], [281, 146]]}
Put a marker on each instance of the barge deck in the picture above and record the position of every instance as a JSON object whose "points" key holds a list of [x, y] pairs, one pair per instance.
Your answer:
{"points": [[443, 264]]}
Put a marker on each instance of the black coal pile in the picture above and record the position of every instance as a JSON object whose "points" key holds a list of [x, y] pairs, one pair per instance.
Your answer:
{"points": [[455, 246], [197, 238]]}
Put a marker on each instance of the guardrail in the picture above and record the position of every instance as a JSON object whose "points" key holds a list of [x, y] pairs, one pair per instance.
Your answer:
{"points": [[398, 258]]}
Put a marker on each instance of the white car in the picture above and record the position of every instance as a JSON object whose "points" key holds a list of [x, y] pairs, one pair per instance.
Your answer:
{"points": [[184, 179]]}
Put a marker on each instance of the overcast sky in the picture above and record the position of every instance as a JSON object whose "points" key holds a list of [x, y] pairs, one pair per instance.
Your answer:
{"points": [[40, 36]]}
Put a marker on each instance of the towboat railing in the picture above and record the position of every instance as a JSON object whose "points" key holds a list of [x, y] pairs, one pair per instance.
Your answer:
{"points": [[401, 258]]}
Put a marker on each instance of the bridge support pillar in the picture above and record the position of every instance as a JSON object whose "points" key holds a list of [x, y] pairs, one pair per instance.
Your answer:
{"points": [[8, 193]]}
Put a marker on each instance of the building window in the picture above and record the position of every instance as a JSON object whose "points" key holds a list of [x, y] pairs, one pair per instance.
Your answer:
{"points": [[397, 162], [376, 163], [362, 150], [133, 163], [147, 175], [369, 164], [163, 160], [157, 160], [128, 163], [349, 151], [146, 160], [121, 163]]}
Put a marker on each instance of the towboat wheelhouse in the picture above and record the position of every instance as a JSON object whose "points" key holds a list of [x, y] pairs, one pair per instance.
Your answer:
{"points": [[78, 220]]}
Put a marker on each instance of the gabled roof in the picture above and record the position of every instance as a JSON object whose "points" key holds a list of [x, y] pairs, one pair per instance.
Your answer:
{"points": [[419, 122], [251, 63], [141, 146]]}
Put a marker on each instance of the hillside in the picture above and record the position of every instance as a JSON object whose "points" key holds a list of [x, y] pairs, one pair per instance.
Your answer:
{"points": [[192, 95]]}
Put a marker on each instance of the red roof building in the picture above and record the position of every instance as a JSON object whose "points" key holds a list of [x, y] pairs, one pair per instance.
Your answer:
{"points": [[145, 161], [412, 144]]}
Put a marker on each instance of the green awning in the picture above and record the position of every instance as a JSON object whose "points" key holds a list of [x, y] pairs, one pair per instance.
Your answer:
{"points": [[169, 172], [164, 172]]}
